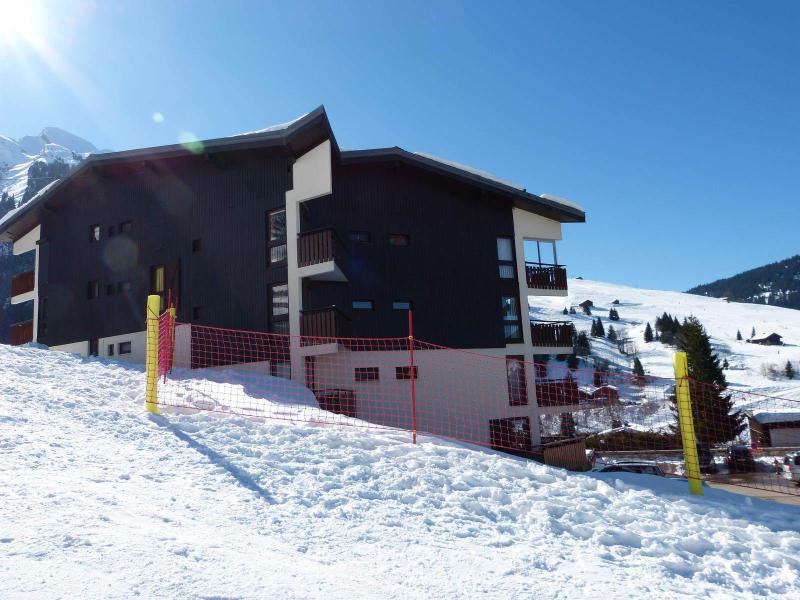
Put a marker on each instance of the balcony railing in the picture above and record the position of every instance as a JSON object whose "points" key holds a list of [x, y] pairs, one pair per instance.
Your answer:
{"points": [[20, 333], [319, 325], [318, 246], [552, 334], [23, 283], [546, 277]]}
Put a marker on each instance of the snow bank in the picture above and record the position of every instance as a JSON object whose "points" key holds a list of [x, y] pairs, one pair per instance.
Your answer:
{"points": [[97, 499]]}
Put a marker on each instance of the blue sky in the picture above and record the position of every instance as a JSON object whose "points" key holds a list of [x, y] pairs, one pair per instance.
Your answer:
{"points": [[675, 124]]}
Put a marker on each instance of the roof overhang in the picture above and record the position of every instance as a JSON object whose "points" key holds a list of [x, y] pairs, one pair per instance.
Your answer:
{"points": [[546, 207]]}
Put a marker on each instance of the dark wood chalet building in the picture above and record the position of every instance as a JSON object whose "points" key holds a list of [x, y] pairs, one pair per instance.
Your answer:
{"points": [[281, 231]]}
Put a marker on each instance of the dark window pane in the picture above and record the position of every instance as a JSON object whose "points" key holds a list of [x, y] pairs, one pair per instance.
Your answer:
{"points": [[399, 239], [124, 286], [125, 226], [110, 351], [196, 245], [517, 385], [401, 305], [277, 254], [124, 347], [366, 373], [362, 304], [94, 289], [94, 347], [281, 327], [510, 308], [362, 237], [405, 372], [277, 226]]}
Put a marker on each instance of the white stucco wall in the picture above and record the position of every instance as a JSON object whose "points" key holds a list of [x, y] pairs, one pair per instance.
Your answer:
{"points": [[28, 241]]}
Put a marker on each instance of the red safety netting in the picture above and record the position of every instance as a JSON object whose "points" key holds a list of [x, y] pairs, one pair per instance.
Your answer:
{"points": [[574, 418]]}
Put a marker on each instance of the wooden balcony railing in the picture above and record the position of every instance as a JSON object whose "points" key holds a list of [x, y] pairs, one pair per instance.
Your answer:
{"points": [[546, 277], [318, 246], [20, 333], [23, 283], [552, 334], [318, 325]]}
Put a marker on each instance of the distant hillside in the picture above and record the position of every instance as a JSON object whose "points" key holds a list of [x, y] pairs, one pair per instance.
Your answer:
{"points": [[777, 284]]}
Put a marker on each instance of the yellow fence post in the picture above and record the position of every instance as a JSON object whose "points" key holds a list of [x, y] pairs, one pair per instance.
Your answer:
{"points": [[686, 422], [151, 353]]}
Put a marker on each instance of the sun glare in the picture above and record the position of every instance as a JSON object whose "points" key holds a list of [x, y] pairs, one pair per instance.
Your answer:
{"points": [[18, 21]]}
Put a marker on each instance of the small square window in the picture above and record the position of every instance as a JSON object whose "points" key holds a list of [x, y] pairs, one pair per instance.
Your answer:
{"points": [[401, 305], [366, 374], [362, 304], [124, 347], [197, 313], [279, 299], [124, 286], [360, 237], [93, 290], [110, 350], [406, 372], [125, 226], [399, 239], [94, 233], [277, 254], [196, 245]]}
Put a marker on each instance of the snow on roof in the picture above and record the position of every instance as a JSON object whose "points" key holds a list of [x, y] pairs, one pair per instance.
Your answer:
{"points": [[561, 200], [776, 417], [278, 127], [473, 170]]}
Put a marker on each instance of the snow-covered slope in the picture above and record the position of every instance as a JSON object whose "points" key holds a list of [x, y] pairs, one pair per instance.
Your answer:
{"points": [[99, 500], [721, 319], [17, 156]]}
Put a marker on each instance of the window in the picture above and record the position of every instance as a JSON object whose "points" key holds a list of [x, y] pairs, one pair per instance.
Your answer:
{"points": [[111, 231], [279, 299], [406, 373], [276, 236], [93, 290], [123, 286], [505, 257], [110, 350], [399, 239], [281, 327], [360, 237], [94, 233], [517, 385], [124, 348], [366, 373], [94, 347], [110, 289], [401, 305], [125, 226], [196, 245], [362, 304], [197, 313], [511, 324]]}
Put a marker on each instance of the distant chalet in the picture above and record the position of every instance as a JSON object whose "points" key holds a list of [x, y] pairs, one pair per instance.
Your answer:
{"points": [[773, 339]]}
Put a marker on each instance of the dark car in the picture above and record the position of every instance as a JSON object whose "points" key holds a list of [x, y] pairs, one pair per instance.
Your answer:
{"points": [[643, 468], [740, 460], [706, 459]]}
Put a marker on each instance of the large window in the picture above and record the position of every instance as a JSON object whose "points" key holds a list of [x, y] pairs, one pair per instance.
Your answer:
{"points": [[511, 323], [276, 236], [505, 257], [279, 308], [517, 385]]}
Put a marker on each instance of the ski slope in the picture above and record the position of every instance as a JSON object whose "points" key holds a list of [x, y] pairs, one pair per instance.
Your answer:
{"points": [[721, 319], [98, 499]]}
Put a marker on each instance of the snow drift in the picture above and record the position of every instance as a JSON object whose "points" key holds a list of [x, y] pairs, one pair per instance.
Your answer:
{"points": [[98, 499]]}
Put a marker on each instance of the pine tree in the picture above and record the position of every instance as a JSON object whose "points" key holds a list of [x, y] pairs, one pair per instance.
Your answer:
{"points": [[789, 370], [582, 345], [612, 335], [572, 310], [738, 335], [725, 365], [638, 369], [597, 329], [572, 362], [648, 333], [565, 311], [753, 333], [613, 315], [715, 420]]}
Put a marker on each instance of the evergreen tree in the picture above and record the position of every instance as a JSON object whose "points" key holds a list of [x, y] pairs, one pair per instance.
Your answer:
{"points": [[565, 311], [572, 362], [582, 345], [612, 334], [715, 420], [788, 370], [648, 333], [587, 310], [598, 330], [638, 369], [613, 315], [572, 310], [753, 333], [738, 335], [725, 365]]}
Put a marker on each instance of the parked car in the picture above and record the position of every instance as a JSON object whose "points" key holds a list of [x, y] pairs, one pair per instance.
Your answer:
{"points": [[740, 459], [791, 466], [642, 467], [706, 459]]}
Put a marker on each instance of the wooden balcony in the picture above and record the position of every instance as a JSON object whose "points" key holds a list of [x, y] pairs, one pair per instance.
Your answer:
{"points": [[550, 279], [20, 333], [556, 335], [23, 283], [323, 326]]}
